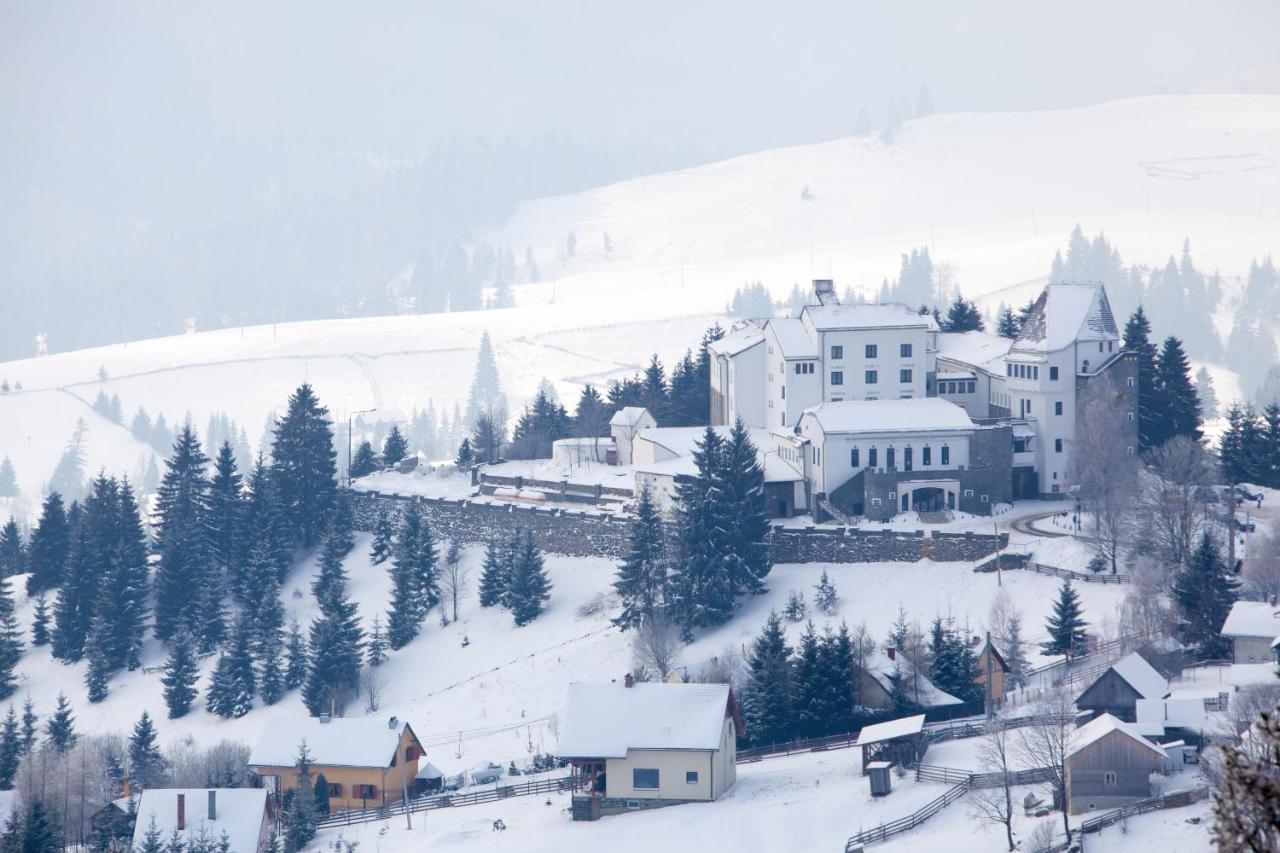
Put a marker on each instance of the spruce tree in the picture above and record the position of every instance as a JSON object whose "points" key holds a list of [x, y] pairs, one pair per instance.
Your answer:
{"points": [[40, 833], [825, 597], [320, 792], [1181, 412], [810, 686], [300, 816], [1015, 653], [234, 682], [426, 575], [265, 536], [382, 537], [407, 569], [126, 604], [528, 588], [1204, 591], [465, 456], [769, 690], [493, 575], [29, 721], [181, 671], [182, 504], [486, 388], [47, 554], [395, 447], [963, 316], [304, 467], [269, 649], [1206, 395], [1137, 339], [840, 699], [8, 479], [13, 554], [10, 750], [1008, 324], [336, 647], [702, 586], [365, 461], [376, 653], [98, 673], [60, 730], [1066, 625], [146, 762], [225, 519], [642, 577], [295, 672], [40, 622], [11, 645]]}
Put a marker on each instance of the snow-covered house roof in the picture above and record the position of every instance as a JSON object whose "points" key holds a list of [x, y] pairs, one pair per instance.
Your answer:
{"points": [[1097, 729], [340, 742], [914, 415], [240, 813], [1065, 313], [1141, 676], [867, 315], [606, 720], [923, 691], [979, 350], [1252, 619], [679, 444], [793, 338], [739, 340], [1170, 713], [890, 729], [631, 416]]}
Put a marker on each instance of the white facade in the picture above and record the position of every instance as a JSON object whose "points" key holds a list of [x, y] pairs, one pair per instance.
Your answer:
{"points": [[741, 353]]}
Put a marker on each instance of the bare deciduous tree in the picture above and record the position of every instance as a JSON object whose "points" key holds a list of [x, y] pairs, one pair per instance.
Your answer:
{"points": [[1104, 465], [1142, 612], [1045, 744], [372, 683], [995, 804], [453, 576], [1174, 486], [864, 646], [656, 646], [1262, 570]]}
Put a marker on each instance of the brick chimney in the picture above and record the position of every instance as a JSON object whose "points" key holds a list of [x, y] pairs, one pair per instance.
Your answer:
{"points": [[891, 652], [182, 811], [213, 805], [628, 681]]}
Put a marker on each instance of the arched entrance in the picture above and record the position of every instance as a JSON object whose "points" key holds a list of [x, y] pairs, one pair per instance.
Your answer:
{"points": [[928, 496], [928, 499]]}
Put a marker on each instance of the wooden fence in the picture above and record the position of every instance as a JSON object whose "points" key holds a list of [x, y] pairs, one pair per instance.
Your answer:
{"points": [[446, 800], [1083, 577], [1169, 801], [885, 831]]}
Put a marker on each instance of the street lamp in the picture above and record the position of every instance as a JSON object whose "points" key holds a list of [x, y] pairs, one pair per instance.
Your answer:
{"points": [[351, 415]]}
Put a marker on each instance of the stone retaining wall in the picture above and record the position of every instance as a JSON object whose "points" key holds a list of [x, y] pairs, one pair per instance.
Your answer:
{"points": [[577, 533]]}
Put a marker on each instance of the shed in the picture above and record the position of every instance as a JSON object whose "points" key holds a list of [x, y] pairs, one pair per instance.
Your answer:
{"points": [[1109, 764], [881, 778], [1117, 690], [900, 741], [1176, 718], [1252, 627], [429, 777], [990, 659], [623, 427]]}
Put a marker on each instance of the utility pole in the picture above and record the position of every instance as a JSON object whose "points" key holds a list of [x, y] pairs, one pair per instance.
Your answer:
{"points": [[991, 711], [999, 579]]}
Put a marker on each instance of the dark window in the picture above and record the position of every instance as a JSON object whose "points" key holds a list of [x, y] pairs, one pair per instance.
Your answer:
{"points": [[335, 790], [904, 350], [1035, 372], [837, 377], [798, 366], [926, 455], [946, 455], [691, 777], [1008, 370], [1019, 445], [853, 457], [904, 375], [906, 458], [973, 386], [410, 753], [871, 350], [1053, 374], [642, 778], [888, 457], [1109, 777], [1057, 445], [872, 377], [871, 458], [364, 792], [837, 352], [1057, 407]]}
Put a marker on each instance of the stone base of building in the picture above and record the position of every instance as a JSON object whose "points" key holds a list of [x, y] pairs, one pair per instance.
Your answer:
{"points": [[594, 808]]}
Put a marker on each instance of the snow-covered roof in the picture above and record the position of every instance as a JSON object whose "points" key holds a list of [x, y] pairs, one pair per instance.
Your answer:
{"points": [[915, 414], [427, 770], [923, 691], [1097, 729], [341, 742], [1065, 313], [739, 340], [240, 813], [891, 729], [1023, 431], [1141, 676], [867, 315], [680, 441], [1174, 713], [1252, 619], [793, 338], [980, 350], [606, 720], [630, 416], [968, 374]]}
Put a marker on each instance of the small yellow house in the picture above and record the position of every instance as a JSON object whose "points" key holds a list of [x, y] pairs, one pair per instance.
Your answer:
{"points": [[366, 762], [636, 746]]}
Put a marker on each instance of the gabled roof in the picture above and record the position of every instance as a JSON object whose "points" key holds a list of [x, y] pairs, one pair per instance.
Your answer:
{"points": [[606, 720], [867, 315], [1171, 713], [1064, 313], [890, 729], [793, 338], [995, 653], [923, 691], [240, 814], [341, 742], [630, 416], [739, 340], [1138, 674], [1252, 619], [917, 413], [1096, 730]]}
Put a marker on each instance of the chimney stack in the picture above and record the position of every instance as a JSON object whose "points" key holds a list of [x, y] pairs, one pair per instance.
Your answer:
{"points": [[391, 723], [628, 681], [891, 652], [324, 719], [182, 812], [213, 804], [824, 289]]}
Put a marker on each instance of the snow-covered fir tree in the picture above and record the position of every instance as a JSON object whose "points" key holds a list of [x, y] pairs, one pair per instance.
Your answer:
{"points": [[528, 586], [1015, 653], [796, 610], [50, 541], [60, 729], [11, 645], [295, 672], [234, 682], [183, 570], [769, 691], [146, 762], [376, 653], [1203, 591], [336, 644], [300, 814], [10, 750], [304, 468], [13, 552], [181, 672], [641, 583], [395, 447], [825, 597], [493, 575], [1066, 625], [40, 622], [383, 534]]}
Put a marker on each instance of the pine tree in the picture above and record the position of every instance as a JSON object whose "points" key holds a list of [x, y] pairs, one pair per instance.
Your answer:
{"points": [[1137, 339], [126, 603], [146, 762], [8, 479], [1015, 654], [426, 575], [1008, 326], [40, 833], [1066, 625], [1206, 394], [591, 417], [488, 437], [493, 576], [963, 316], [839, 700], [702, 586], [529, 587], [47, 554], [642, 576], [29, 721], [1181, 413], [365, 461], [824, 596], [182, 504], [769, 690], [295, 658], [395, 447], [796, 609], [336, 646], [234, 682], [225, 519], [406, 614], [376, 653], [382, 537], [10, 750], [13, 555], [486, 388], [40, 622], [10, 641], [60, 731], [98, 674], [746, 523], [181, 671], [465, 457], [271, 664], [304, 467], [1204, 591], [810, 686], [265, 539], [300, 816]]}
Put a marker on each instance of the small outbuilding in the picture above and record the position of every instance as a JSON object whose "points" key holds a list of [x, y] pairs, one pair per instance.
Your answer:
{"points": [[625, 424], [243, 815], [1117, 690], [1252, 627], [1109, 764], [994, 668], [902, 742]]}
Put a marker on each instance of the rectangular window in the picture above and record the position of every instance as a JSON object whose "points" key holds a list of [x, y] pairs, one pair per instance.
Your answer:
{"points": [[335, 790], [798, 366], [646, 779], [904, 350], [837, 352], [872, 377], [410, 753], [871, 458], [986, 499], [1109, 777], [926, 455], [691, 777], [837, 377], [904, 375], [906, 458], [853, 457], [1099, 346], [973, 386], [871, 350], [364, 792], [784, 392], [1053, 374], [946, 455], [1035, 372], [1057, 407], [968, 493], [888, 457], [1057, 445], [1008, 370], [875, 502]]}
